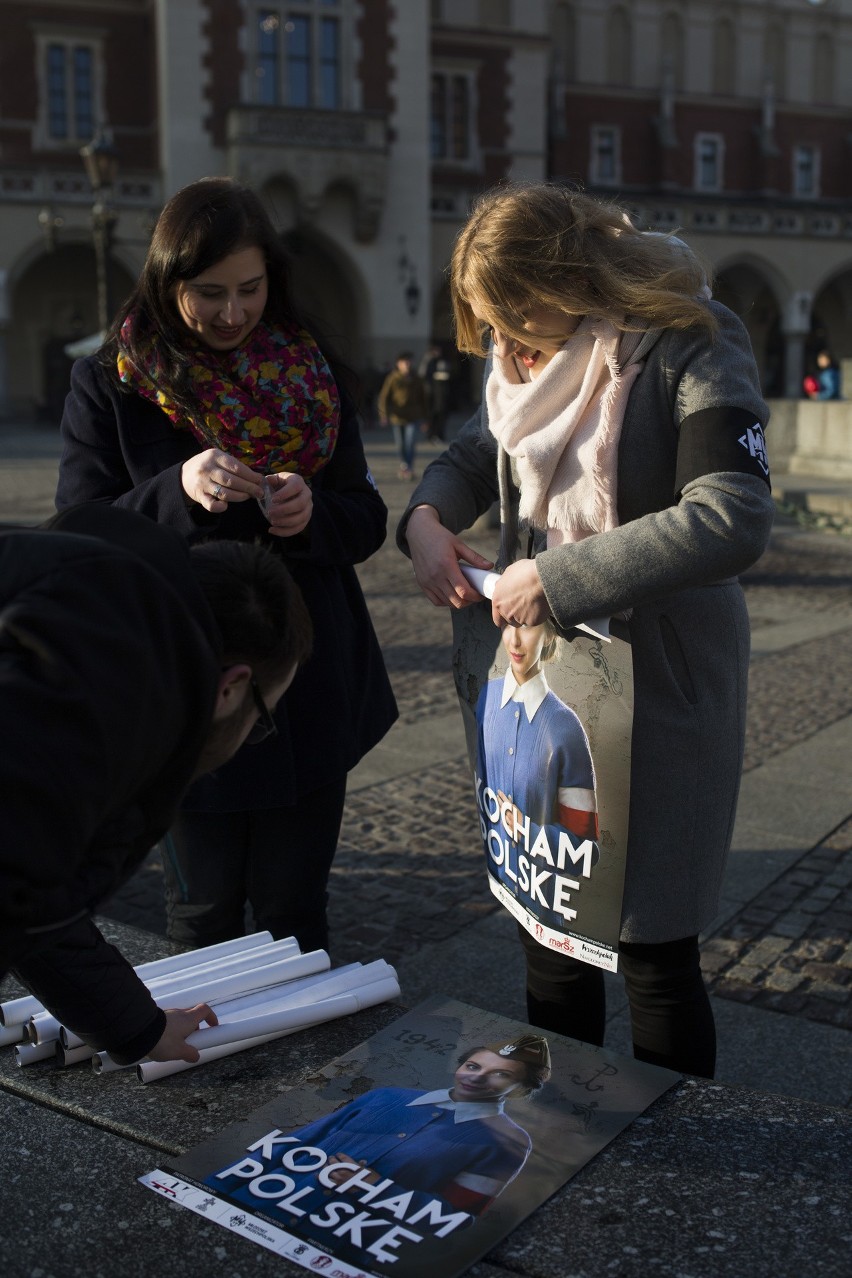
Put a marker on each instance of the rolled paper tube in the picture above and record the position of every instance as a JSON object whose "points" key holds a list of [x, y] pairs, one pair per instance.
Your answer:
{"points": [[74, 1055], [345, 1005], [16, 1011], [482, 579], [257, 957], [175, 985], [330, 984], [241, 1002], [102, 1063], [13, 1034], [28, 1053], [255, 978], [285, 1018], [194, 958], [44, 1028], [485, 579]]}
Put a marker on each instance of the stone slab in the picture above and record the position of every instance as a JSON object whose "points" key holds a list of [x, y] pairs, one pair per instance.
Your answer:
{"points": [[72, 1206], [709, 1181]]}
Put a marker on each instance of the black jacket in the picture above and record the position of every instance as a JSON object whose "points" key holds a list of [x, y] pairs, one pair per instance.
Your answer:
{"points": [[109, 662], [123, 450]]}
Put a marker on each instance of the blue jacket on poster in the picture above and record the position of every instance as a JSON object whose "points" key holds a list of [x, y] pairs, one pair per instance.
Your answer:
{"points": [[533, 749], [464, 1154]]}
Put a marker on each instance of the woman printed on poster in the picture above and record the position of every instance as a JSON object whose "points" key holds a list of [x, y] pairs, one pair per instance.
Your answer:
{"points": [[535, 781], [454, 1146]]}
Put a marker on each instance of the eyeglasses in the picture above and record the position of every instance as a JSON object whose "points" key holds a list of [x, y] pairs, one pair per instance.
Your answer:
{"points": [[265, 726]]}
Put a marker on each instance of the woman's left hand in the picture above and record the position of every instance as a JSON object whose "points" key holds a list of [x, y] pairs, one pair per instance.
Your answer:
{"points": [[519, 597], [289, 504]]}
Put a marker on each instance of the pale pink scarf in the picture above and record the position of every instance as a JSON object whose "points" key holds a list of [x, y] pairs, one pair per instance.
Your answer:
{"points": [[562, 429]]}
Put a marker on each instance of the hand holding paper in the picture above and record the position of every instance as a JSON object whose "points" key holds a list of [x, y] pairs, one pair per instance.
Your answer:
{"points": [[485, 581]]}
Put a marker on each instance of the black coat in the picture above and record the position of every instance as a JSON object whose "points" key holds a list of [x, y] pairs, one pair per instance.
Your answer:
{"points": [[122, 449], [109, 660]]}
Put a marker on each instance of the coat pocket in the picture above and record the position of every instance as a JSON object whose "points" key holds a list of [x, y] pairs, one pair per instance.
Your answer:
{"points": [[676, 659]]}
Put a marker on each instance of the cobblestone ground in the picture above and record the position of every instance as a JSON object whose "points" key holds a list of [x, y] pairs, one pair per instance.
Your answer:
{"points": [[407, 873]]}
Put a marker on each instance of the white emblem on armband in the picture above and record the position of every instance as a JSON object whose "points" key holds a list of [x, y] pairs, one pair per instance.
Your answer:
{"points": [[754, 441]]}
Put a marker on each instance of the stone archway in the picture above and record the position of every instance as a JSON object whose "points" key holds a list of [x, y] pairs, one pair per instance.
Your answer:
{"points": [[53, 302], [831, 318], [327, 289], [745, 289]]}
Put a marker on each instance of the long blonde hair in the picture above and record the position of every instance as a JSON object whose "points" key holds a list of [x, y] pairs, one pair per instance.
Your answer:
{"points": [[530, 245]]}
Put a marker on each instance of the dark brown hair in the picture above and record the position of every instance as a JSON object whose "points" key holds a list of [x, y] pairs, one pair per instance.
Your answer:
{"points": [[257, 606], [201, 224]]}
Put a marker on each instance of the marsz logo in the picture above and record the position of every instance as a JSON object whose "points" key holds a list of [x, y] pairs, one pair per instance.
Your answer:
{"points": [[755, 441]]}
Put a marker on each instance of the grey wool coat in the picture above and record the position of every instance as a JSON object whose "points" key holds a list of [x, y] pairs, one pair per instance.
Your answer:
{"points": [[695, 509]]}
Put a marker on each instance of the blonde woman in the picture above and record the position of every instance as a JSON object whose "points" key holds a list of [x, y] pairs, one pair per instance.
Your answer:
{"points": [[621, 429]]}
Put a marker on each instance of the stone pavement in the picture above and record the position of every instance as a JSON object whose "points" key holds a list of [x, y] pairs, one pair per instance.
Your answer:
{"points": [[408, 885]]}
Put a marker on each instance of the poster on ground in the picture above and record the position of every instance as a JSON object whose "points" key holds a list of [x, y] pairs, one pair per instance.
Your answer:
{"points": [[416, 1152], [548, 719]]}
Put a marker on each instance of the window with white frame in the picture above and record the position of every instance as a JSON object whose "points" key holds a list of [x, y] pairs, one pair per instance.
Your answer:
{"points": [[69, 82], [709, 161], [806, 171], [605, 155], [298, 53], [451, 116]]}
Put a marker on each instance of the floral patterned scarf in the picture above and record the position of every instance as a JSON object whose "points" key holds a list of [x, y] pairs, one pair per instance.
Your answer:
{"points": [[272, 403]]}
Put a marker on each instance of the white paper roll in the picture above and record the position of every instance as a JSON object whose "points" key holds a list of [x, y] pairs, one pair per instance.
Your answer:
{"points": [[243, 1002], [174, 985], [482, 579], [102, 1063], [344, 1005], [74, 1055], [13, 1034], [256, 957], [44, 1028], [16, 1011], [254, 978], [207, 953], [249, 978], [28, 1053]]}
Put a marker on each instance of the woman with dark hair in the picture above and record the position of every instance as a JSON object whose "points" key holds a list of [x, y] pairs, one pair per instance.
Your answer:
{"points": [[211, 407], [621, 431]]}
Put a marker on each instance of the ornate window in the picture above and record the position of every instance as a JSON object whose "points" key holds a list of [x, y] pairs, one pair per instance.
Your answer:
{"points": [[605, 155], [806, 160], [452, 115], [70, 92], [709, 156], [298, 53]]}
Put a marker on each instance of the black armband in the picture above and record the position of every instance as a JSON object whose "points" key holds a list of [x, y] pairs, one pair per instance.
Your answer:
{"points": [[718, 439]]}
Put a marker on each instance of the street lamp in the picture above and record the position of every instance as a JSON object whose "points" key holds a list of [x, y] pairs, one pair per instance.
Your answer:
{"points": [[101, 162]]}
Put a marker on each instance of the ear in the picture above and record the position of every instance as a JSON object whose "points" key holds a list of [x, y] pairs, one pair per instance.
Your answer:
{"points": [[230, 691]]}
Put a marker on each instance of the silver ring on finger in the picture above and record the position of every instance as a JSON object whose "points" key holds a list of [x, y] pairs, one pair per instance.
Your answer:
{"points": [[217, 492]]}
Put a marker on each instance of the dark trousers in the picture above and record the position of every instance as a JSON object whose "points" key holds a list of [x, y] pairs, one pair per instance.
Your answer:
{"points": [[276, 859], [670, 1013]]}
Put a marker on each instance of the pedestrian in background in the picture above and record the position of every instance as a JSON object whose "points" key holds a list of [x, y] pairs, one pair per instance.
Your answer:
{"points": [[402, 405], [826, 383], [436, 371], [637, 495], [214, 409]]}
